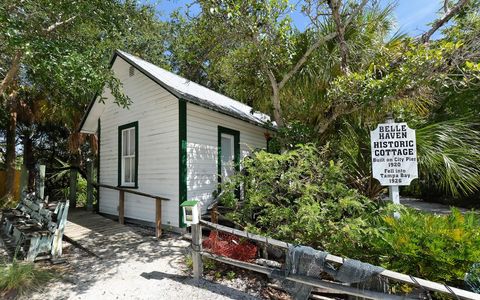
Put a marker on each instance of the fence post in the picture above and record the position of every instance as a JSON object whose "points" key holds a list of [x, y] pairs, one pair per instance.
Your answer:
{"points": [[23, 181], [41, 181], [89, 186], [73, 188], [121, 207], [158, 217], [197, 248]]}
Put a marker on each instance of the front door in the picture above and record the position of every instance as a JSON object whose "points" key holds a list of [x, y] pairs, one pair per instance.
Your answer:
{"points": [[228, 155], [228, 152]]}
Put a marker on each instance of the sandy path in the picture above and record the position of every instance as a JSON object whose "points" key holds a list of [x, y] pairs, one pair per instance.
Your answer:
{"points": [[150, 270]]}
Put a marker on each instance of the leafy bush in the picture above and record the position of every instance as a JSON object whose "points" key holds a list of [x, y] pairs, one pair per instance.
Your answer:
{"points": [[298, 197], [302, 198], [440, 248], [22, 277], [289, 136]]}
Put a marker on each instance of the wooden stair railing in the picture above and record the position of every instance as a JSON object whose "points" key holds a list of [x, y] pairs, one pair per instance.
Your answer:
{"points": [[121, 204]]}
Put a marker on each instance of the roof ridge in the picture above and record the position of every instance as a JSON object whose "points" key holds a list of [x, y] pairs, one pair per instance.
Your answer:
{"points": [[196, 93], [186, 79]]}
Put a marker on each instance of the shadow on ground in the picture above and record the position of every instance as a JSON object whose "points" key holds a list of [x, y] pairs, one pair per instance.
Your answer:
{"points": [[203, 284]]}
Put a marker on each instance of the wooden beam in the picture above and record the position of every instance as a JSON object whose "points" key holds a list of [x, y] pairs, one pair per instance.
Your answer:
{"points": [[130, 191], [121, 207], [429, 285], [158, 217]]}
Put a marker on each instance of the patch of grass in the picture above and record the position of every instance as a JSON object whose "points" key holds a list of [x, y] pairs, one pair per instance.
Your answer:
{"points": [[209, 264], [231, 275], [188, 262], [22, 276]]}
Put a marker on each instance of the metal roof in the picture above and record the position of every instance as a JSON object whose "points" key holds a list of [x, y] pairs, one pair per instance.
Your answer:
{"points": [[192, 92], [196, 93]]}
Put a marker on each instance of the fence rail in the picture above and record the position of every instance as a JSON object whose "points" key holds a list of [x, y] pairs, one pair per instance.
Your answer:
{"points": [[418, 282], [121, 204]]}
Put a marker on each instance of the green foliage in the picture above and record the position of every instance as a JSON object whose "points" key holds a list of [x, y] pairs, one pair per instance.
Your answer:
{"points": [[301, 197], [231, 275], [449, 157], [440, 248], [289, 136], [209, 264], [188, 260], [354, 150], [22, 276], [298, 197]]}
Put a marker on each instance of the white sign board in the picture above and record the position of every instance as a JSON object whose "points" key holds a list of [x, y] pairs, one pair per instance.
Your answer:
{"points": [[394, 154]]}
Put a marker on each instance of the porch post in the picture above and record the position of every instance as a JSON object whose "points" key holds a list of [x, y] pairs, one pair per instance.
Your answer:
{"points": [[73, 188], [121, 207], [89, 186], [158, 217]]}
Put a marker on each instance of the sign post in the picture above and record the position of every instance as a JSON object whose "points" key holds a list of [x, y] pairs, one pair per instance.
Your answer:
{"points": [[394, 156]]}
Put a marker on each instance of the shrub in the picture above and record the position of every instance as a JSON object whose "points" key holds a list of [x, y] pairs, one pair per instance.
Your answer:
{"points": [[22, 277], [297, 197], [300, 197], [440, 248]]}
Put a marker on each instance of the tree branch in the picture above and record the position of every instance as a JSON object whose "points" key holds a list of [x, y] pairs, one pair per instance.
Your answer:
{"points": [[59, 23], [340, 28], [321, 128], [442, 21], [318, 43], [356, 12], [304, 58]]}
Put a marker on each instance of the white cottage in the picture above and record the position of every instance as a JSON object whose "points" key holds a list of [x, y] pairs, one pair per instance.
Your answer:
{"points": [[172, 141]]}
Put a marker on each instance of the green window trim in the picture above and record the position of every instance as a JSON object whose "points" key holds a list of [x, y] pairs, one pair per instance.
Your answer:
{"points": [[182, 159], [236, 145], [99, 144], [120, 129]]}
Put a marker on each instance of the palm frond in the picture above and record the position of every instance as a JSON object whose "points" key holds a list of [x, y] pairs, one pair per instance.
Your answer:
{"points": [[449, 156]]}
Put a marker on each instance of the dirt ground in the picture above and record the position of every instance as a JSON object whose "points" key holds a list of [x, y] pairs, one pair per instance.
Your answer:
{"points": [[150, 270]]}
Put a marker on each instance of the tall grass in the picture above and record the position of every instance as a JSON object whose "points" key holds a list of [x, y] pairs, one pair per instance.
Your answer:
{"points": [[22, 276]]}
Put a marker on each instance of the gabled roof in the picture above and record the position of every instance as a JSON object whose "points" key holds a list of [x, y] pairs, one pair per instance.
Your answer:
{"points": [[190, 91]]}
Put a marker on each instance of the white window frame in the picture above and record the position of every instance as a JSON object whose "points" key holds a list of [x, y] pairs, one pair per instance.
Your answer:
{"points": [[231, 139], [129, 131]]}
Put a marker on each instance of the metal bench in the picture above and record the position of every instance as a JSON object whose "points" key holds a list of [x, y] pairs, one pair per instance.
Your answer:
{"points": [[36, 228]]}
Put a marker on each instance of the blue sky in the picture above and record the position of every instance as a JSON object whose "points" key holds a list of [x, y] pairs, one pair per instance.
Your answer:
{"points": [[412, 16]]}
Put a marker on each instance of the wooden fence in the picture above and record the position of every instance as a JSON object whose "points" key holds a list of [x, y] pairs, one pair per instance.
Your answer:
{"points": [[16, 184], [197, 254]]}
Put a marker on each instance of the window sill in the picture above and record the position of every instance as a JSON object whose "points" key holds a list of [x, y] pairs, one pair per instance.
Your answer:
{"points": [[128, 186]]}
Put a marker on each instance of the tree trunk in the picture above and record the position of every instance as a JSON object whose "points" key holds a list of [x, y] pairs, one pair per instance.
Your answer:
{"points": [[277, 109], [11, 73], [10, 149], [29, 161]]}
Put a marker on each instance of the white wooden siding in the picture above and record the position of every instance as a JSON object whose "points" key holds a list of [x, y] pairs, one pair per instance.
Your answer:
{"points": [[156, 111], [202, 144]]}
